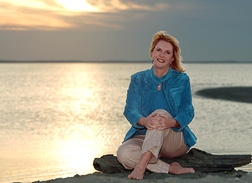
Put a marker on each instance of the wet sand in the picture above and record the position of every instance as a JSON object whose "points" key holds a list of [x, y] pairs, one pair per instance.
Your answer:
{"points": [[236, 94], [237, 176]]}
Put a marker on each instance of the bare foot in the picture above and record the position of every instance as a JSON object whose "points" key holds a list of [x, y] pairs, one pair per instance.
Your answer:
{"points": [[138, 173], [176, 168]]}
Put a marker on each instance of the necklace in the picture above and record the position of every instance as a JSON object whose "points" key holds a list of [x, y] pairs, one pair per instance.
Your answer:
{"points": [[159, 87]]}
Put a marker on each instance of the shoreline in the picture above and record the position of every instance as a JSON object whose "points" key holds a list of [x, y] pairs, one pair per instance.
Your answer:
{"points": [[122, 61]]}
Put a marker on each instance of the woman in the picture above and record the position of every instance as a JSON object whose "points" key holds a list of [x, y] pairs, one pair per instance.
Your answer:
{"points": [[159, 108]]}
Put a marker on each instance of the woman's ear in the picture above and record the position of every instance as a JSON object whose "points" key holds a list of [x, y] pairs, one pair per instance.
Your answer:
{"points": [[151, 54]]}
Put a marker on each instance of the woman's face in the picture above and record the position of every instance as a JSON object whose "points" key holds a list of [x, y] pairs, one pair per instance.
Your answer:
{"points": [[162, 55]]}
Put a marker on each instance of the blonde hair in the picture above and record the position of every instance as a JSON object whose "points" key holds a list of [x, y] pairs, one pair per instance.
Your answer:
{"points": [[176, 63]]}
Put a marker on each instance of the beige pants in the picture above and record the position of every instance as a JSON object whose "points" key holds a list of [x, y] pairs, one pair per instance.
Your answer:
{"points": [[167, 143]]}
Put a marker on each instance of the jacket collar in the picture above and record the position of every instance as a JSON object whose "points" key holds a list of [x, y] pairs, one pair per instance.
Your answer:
{"points": [[163, 78]]}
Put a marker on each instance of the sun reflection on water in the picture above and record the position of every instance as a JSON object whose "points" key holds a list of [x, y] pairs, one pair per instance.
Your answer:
{"points": [[79, 155], [63, 120], [81, 141]]}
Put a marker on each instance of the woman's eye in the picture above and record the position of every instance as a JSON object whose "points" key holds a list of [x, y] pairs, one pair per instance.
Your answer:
{"points": [[168, 52]]}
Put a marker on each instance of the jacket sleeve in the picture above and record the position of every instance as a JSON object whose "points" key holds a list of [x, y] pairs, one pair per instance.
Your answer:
{"points": [[131, 111], [185, 109]]}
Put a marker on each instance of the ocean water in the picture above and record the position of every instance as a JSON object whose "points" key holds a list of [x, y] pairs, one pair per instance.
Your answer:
{"points": [[56, 118]]}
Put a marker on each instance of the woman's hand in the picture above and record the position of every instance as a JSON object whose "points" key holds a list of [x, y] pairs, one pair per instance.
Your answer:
{"points": [[149, 122], [159, 122], [166, 122]]}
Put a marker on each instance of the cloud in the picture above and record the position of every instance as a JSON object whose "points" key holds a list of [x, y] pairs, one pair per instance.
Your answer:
{"points": [[117, 5], [51, 3], [27, 18], [51, 15]]}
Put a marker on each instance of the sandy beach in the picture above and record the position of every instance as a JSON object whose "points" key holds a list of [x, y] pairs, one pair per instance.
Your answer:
{"points": [[237, 176]]}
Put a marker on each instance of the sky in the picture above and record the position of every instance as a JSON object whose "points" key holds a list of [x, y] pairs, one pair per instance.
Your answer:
{"points": [[208, 30]]}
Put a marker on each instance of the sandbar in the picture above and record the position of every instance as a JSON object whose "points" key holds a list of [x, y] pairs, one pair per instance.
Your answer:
{"points": [[236, 94]]}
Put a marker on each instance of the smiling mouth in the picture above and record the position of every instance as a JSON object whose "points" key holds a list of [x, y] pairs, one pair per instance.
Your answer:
{"points": [[160, 60]]}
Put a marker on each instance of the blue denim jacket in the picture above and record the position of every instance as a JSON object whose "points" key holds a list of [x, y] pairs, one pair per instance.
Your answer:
{"points": [[177, 91]]}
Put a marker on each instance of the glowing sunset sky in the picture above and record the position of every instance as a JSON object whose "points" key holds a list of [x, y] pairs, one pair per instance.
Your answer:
{"points": [[123, 29]]}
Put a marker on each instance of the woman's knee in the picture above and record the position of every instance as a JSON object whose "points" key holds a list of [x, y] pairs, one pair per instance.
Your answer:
{"points": [[128, 157], [125, 152], [162, 112], [121, 153]]}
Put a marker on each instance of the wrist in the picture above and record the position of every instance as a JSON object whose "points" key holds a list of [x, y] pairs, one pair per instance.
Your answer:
{"points": [[176, 123], [141, 122]]}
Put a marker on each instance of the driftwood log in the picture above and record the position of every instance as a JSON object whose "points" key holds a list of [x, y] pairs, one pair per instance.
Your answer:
{"points": [[199, 160]]}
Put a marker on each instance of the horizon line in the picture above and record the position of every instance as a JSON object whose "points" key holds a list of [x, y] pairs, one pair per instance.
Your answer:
{"points": [[117, 61]]}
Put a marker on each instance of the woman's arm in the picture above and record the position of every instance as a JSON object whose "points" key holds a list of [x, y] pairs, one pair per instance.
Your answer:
{"points": [[131, 110], [185, 109]]}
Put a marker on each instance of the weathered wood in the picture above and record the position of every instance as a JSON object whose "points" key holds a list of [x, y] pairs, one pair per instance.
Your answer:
{"points": [[195, 158]]}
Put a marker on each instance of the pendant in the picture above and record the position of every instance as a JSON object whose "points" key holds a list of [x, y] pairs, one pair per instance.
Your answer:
{"points": [[159, 87]]}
